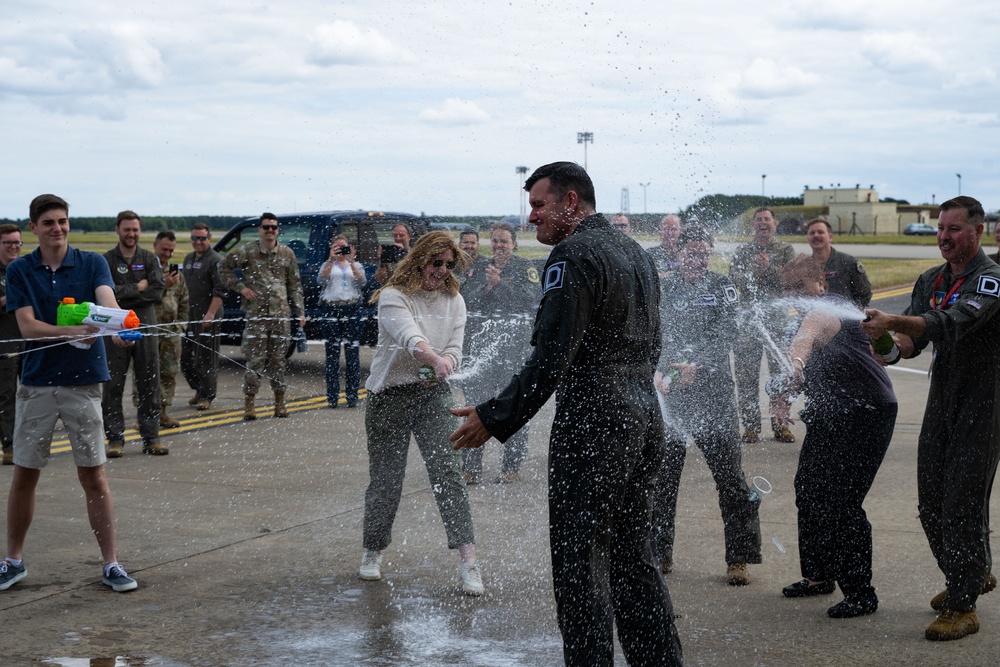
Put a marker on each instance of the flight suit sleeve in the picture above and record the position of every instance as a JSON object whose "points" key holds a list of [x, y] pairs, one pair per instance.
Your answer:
{"points": [[563, 316], [861, 287], [154, 275]]}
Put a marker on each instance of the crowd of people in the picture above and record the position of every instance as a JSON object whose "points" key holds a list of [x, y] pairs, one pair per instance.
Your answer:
{"points": [[644, 349]]}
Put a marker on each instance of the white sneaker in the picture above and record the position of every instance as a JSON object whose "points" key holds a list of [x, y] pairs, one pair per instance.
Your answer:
{"points": [[371, 566], [472, 580]]}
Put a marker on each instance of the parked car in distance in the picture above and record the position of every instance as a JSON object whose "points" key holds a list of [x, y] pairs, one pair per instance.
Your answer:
{"points": [[920, 229], [308, 235]]}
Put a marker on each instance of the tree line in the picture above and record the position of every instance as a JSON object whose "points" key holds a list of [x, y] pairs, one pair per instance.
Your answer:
{"points": [[714, 211]]}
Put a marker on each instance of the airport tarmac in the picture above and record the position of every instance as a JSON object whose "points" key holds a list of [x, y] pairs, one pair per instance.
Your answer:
{"points": [[246, 542]]}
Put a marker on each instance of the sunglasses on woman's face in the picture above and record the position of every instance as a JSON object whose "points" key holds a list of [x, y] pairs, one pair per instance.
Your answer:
{"points": [[438, 263]]}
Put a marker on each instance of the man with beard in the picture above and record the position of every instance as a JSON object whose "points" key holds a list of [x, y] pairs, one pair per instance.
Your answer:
{"points": [[138, 286]]}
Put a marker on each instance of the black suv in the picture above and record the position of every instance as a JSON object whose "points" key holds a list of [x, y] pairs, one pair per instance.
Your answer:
{"points": [[308, 235]]}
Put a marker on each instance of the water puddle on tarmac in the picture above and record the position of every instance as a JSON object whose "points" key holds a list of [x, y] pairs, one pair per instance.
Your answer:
{"points": [[117, 661]]}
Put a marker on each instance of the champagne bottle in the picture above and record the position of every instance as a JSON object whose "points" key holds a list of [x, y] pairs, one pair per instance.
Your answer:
{"points": [[426, 373], [886, 348]]}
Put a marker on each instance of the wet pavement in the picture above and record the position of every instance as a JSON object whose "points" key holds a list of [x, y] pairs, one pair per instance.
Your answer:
{"points": [[246, 541]]}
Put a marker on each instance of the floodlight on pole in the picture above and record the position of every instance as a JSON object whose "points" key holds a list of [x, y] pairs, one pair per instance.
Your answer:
{"points": [[763, 178], [959, 177], [585, 138], [644, 186], [521, 171]]}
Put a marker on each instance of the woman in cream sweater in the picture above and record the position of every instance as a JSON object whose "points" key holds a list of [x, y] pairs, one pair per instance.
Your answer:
{"points": [[421, 326]]}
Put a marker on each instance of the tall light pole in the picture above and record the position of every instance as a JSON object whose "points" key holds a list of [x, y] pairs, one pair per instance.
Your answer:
{"points": [[959, 177], [585, 138], [644, 186], [521, 171], [763, 178]]}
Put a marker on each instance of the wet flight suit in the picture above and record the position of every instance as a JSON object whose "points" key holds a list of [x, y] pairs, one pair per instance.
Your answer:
{"points": [[596, 338], [959, 442], [698, 322]]}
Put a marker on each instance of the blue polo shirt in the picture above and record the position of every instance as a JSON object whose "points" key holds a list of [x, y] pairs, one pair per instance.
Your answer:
{"points": [[31, 283]]}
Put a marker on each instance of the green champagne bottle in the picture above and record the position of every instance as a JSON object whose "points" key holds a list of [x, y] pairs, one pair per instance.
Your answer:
{"points": [[886, 348]]}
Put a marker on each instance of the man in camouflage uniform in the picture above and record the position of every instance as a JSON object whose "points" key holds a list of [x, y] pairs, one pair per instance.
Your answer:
{"points": [[271, 290], [171, 314], [756, 272]]}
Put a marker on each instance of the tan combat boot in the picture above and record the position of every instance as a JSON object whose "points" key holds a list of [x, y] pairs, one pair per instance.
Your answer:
{"points": [[249, 413], [166, 421], [280, 409]]}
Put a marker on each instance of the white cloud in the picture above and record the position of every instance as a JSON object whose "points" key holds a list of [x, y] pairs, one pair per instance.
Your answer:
{"points": [[900, 53], [455, 111], [765, 79], [345, 43]]}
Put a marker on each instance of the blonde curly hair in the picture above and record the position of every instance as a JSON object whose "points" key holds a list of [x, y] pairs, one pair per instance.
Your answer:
{"points": [[407, 278]]}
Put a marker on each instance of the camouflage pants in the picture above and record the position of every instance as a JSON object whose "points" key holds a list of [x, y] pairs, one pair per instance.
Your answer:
{"points": [[170, 359], [170, 356], [264, 346]]}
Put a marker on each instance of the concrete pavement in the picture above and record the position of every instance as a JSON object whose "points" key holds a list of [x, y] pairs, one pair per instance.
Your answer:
{"points": [[246, 541]]}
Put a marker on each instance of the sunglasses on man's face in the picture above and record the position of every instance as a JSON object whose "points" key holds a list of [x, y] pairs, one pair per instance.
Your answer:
{"points": [[269, 228], [199, 238], [438, 263]]}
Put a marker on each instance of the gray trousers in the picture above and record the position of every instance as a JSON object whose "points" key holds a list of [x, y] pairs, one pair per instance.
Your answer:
{"points": [[200, 359], [391, 416]]}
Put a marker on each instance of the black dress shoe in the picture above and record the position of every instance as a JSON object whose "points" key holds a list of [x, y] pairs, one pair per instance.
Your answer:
{"points": [[803, 589], [850, 608]]}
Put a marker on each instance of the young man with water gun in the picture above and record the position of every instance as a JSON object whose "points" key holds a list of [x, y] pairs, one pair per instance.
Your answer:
{"points": [[59, 381]]}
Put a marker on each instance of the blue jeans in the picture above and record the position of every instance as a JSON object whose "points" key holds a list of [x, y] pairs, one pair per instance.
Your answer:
{"points": [[342, 326]]}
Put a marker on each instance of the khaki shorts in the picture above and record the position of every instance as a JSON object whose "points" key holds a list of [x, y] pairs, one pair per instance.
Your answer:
{"points": [[35, 416]]}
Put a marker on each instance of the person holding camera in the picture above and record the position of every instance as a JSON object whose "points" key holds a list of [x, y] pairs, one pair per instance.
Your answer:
{"points": [[341, 278], [171, 314]]}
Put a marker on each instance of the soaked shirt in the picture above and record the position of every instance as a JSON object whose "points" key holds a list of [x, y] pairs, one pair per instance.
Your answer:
{"points": [[596, 332], [842, 375], [272, 274], [698, 321]]}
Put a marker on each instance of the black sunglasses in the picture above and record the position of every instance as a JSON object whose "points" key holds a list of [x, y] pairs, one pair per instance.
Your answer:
{"points": [[199, 238], [269, 228], [438, 263]]}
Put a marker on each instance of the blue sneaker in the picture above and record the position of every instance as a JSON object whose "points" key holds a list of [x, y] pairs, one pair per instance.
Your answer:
{"points": [[10, 574], [116, 577]]}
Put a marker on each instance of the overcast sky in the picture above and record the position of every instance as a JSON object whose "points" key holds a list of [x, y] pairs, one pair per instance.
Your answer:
{"points": [[206, 107]]}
